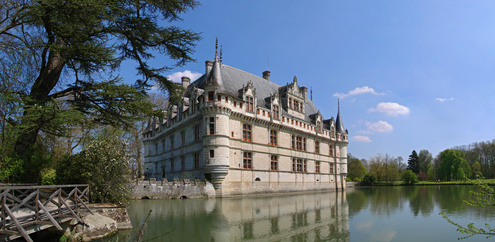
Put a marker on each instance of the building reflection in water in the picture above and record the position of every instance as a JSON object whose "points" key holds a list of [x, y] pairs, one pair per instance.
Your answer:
{"points": [[306, 217], [302, 217]]}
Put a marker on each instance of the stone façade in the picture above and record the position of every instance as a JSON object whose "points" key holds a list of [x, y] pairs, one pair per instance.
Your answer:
{"points": [[246, 134]]}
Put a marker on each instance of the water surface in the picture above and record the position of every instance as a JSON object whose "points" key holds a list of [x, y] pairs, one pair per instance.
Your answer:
{"points": [[360, 214]]}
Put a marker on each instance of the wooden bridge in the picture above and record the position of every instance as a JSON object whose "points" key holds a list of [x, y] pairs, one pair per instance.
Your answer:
{"points": [[28, 209]]}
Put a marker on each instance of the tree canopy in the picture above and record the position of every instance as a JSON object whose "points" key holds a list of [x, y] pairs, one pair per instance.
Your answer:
{"points": [[60, 59]]}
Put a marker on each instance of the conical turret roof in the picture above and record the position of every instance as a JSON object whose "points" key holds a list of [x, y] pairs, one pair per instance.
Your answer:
{"points": [[338, 122]]}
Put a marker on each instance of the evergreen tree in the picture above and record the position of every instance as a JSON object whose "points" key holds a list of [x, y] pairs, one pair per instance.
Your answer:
{"points": [[83, 42], [412, 162]]}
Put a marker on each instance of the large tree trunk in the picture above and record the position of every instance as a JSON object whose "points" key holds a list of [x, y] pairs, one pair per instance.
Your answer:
{"points": [[44, 84]]}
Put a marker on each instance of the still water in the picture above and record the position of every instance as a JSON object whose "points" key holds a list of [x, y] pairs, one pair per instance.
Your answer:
{"points": [[358, 214]]}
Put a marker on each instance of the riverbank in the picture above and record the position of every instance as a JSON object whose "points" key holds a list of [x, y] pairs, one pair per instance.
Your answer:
{"points": [[490, 182]]}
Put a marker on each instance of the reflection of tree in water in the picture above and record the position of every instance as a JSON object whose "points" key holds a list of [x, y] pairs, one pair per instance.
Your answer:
{"points": [[420, 200], [385, 201], [356, 199]]}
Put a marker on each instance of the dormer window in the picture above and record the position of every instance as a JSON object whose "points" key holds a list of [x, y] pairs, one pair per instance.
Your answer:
{"points": [[276, 112], [249, 104], [211, 96]]}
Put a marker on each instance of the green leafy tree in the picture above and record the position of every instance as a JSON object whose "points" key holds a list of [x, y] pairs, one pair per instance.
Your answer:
{"points": [[450, 161], [82, 43], [103, 164], [356, 170], [425, 159], [412, 162], [409, 177], [476, 170]]}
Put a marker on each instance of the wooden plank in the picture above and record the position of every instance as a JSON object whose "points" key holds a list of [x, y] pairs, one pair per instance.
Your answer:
{"points": [[17, 224], [72, 212], [24, 201], [84, 204], [49, 215]]}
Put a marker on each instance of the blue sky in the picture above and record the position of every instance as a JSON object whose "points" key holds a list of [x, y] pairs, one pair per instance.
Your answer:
{"points": [[409, 74]]}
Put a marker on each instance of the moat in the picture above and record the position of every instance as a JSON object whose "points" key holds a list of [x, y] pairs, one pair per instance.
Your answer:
{"points": [[358, 214]]}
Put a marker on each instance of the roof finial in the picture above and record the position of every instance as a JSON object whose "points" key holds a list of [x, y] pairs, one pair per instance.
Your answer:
{"points": [[216, 50], [338, 104], [311, 93]]}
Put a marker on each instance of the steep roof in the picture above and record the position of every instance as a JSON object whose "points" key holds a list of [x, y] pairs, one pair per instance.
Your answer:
{"points": [[233, 80]]}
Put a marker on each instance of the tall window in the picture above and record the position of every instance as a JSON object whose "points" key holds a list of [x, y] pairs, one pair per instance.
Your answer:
{"points": [[317, 167], [304, 144], [219, 97], [211, 95], [247, 160], [296, 105], [183, 137], [212, 153], [299, 165], [294, 160], [212, 125], [273, 138], [293, 146], [246, 132], [299, 143], [196, 160], [196, 133], [276, 112], [183, 163], [330, 152], [317, 146], [332, 168], [249, 104], [305, 165], [290, 103], [274, 162]]}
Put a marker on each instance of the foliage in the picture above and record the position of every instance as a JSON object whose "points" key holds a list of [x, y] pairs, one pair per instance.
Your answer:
{"points": [[425, 159], [482, 152], [412, 162], [103, 165], [452, 165], [476, 170], [356, 170], [10, 169], [409, 177], [483, 196], [48, 176], [385, 168], [60, 58], [422, 176], [368, 180]]}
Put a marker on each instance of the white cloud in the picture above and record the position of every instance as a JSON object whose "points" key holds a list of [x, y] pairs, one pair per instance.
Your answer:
{"points": [[357, 91], [176, 77], [380, 127], [392, 109], [444, 99], [362, 138]]}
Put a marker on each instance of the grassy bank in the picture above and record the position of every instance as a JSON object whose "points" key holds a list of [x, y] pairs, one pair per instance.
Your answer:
{"points": [[491, 182]]}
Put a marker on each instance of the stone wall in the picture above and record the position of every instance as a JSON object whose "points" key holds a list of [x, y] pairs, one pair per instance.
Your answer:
{"points": [[176, 188]]}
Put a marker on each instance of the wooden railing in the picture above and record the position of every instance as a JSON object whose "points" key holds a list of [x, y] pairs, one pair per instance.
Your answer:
{"points": [[24, 209]]}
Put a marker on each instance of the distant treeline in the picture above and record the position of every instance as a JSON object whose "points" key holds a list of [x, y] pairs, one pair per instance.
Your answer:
{"points": [[476, 160]]}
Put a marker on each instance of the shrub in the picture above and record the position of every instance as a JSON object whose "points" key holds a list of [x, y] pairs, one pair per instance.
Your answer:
{"points": [[408, 177], [48, 176], [368, 180], [103, 165]]}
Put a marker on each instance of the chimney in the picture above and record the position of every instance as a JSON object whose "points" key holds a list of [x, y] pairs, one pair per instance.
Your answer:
{"points": [[209, 65], [266, 75], [185, 81], [305, 93]]}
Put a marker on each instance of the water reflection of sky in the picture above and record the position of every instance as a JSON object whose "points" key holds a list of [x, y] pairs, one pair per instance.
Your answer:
{"points": [[412, 214]]}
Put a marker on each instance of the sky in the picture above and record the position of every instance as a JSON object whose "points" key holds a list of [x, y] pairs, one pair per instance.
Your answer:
{"points": [[410, 75]]}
